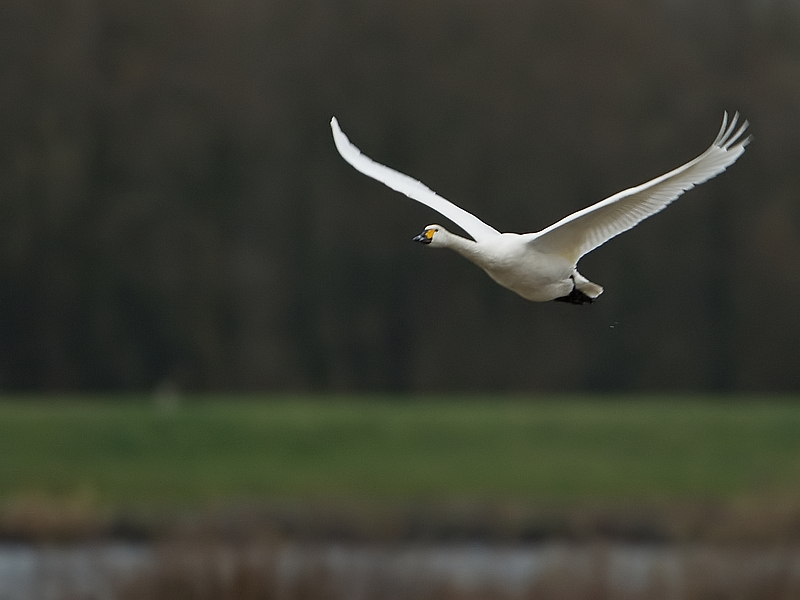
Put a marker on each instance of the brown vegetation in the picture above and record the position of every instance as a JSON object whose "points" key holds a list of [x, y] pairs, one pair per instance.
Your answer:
{"points": [[763, 523]]}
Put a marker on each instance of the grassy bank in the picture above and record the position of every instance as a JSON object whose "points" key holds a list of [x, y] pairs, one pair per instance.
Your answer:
{"points": [[398, 468], [561, 449]]}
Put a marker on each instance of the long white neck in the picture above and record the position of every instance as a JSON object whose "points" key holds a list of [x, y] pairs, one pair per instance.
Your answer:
{"points": [[466, 248]]}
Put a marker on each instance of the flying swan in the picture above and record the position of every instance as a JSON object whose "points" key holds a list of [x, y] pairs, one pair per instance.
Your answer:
{"points": [[542, 266]]}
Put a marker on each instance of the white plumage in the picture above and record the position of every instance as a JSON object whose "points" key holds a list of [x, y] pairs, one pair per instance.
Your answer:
{"points": [[542, 266]]}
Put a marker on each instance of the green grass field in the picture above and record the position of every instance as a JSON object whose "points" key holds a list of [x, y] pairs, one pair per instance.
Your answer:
{"points": [[127, 451]]}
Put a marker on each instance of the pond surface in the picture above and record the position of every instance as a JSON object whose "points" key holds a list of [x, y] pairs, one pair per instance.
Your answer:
{"points": [[99, 570]]}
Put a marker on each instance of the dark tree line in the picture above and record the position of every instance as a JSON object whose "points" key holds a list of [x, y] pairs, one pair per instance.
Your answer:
{"points": [[172, 208]]}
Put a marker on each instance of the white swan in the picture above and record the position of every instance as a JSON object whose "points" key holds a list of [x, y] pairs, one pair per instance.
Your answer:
{"points": [[542, 266]]}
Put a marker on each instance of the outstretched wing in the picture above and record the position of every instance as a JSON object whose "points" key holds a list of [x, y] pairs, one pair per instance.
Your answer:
{"points": [[585, 230], [410, 187]]}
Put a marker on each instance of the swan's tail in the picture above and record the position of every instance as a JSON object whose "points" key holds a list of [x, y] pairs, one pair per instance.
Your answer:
{"points": [[584, 291], [587, 287]]}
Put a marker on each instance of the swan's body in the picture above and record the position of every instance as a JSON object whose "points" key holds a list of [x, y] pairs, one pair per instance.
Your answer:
{"points": [[542, 266]]}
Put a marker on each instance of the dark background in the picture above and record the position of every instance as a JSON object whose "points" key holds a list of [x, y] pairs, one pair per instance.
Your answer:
{"points": [[173, 211]]}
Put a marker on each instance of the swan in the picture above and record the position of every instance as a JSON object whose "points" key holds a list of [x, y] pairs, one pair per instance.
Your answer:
{"points": [[542, 266]]}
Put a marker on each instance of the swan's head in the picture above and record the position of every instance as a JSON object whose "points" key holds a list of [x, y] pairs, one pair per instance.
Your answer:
{"points": [[434, 235]]}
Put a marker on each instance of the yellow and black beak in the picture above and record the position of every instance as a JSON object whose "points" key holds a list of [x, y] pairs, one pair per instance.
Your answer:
{"points": [[426, 236]]}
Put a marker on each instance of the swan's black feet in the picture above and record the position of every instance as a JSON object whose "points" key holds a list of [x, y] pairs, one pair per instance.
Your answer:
{"points": [[575, 297]]}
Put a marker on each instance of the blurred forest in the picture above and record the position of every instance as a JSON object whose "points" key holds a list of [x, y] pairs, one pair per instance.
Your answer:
{"points": [[173, 211]]}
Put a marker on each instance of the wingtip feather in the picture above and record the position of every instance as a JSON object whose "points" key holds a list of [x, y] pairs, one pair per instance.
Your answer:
{"points": [[335, 126], [342, 142], [723, 128], [729, 134]]}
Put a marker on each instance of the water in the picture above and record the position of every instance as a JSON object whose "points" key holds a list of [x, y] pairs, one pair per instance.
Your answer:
{"points": [[56, 573], [97, 570]]}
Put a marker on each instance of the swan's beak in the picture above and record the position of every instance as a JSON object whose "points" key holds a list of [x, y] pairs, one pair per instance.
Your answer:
{"points": [[425, 237]]}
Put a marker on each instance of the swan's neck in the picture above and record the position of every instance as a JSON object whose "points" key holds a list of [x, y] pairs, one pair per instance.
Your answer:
{"points": [[466, 248]]}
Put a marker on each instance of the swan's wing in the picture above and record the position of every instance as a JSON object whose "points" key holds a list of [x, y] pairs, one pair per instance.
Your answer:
{"points": [[410, 187], [585, 230]]}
